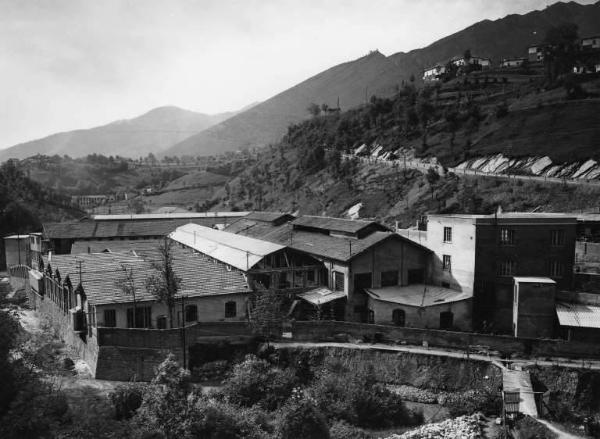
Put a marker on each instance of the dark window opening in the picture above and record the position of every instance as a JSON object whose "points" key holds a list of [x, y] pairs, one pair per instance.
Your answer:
{"points": [[143, 317], [399, 317], [161, 322], [110, 318], [338, 281], [447, 263], [230, 309], [310, 275], [389, 278], [191, 313], [446, 320]]}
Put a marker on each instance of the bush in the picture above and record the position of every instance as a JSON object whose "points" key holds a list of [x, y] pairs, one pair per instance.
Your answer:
{"points": [[343, 430], [529, 428], [359, 400], [255, 381], [301, 419], [126, 399]]}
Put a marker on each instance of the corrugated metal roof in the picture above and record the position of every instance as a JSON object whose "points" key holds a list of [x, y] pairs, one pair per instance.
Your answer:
{"points": [[417, 295], [115, 246], [270, 217], [578, 315], [238, 251], [168, 215], [321, 295]]}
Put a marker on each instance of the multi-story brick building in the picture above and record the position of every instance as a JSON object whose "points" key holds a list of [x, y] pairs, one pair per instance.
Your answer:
{"points": [[481, 254]]}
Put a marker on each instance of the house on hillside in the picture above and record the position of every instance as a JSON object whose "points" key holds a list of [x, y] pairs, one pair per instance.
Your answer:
{"points": [[512, 62], [483, 254], [535, 53], [479, 62], [591, 43], [434, 73]]}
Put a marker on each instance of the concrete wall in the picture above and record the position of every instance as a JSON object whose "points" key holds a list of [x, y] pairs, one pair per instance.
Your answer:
{"points": [[423, 317], [210, 309], [534, 313], [461, 251], [328, 331]]}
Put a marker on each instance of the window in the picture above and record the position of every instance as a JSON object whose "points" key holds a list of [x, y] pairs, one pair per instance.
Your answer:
{"points": [[446, 320], [389, 278], [110, 318], [161, 322], [191, 313], [143, 317], [557, 237], [338, 281], [507, 268], [447, 234], [230, 309], [556, 268], [447, 263], [371, 316], [507, 237], [310, 275], [399, 317]]}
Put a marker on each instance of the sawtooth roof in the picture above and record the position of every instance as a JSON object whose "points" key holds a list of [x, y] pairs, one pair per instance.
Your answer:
{"points": [[241, 252]]}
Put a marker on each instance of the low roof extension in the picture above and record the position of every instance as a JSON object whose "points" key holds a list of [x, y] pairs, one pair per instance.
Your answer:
{"points": [[417, 295], [241, 252]]}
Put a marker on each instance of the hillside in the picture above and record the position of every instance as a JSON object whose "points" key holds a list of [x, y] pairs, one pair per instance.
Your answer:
{"points": [[379, 75], [151, 132], [503, 38], [266, 122]]}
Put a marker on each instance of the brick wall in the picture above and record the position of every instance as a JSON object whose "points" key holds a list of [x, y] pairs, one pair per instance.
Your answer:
{"points": [[315, 331]]}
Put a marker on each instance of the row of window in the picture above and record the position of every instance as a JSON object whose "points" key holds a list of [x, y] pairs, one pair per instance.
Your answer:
{"points": [[388, 279], [509, 267], [507, 236], [399, 318], [143, 316]]}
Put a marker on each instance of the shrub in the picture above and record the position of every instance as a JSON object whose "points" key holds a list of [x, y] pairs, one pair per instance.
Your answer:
{"points": [[343, 430], [126, 399], [529, 428], [255, 381], [217, 420], [301, 419]]}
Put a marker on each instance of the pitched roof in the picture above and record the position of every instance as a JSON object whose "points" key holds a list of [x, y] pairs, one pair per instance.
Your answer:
{"points": [[578, 315], [115, 246], [253, 229], [321, 295], [417, 295], [270, 217], [241, 252], [330, 247], [335, 224], [101, 271], [168, 215], [89, 229]]}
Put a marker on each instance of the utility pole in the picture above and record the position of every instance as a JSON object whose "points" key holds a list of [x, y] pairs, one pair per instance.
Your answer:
{"points": [[183, 331]]}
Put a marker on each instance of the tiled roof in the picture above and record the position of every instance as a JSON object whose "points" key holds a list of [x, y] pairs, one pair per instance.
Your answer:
{"points": [[417, 295], [270, 217], [100, 272], [330, 247], [115, 246], [168, 215], [335, 224], [578, 315], [90, 229], [241, 252], [253, 229]]}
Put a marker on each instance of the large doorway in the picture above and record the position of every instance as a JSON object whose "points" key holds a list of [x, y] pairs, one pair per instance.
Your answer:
{"points": [[362, 281], [399, 317], [446, 320]]}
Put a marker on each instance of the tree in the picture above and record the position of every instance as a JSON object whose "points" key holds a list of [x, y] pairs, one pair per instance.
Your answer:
{"points": [[560, 50], [314, 110], [127, 286], [164, 285], [301, 419], [432, 178], [266, 316], [425, 110]]}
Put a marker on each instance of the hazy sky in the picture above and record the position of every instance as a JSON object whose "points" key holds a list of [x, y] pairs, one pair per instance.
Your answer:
{"points": [[68, 64]]}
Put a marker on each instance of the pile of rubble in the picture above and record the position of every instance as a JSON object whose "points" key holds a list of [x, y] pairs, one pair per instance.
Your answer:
{"points": [[463, 427]]}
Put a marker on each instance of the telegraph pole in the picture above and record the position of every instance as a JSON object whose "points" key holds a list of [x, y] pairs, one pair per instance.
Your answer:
{"points": [[183, 331]]}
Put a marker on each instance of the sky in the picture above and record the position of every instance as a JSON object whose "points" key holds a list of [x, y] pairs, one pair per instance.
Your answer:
{"points": [[71, 64]]}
